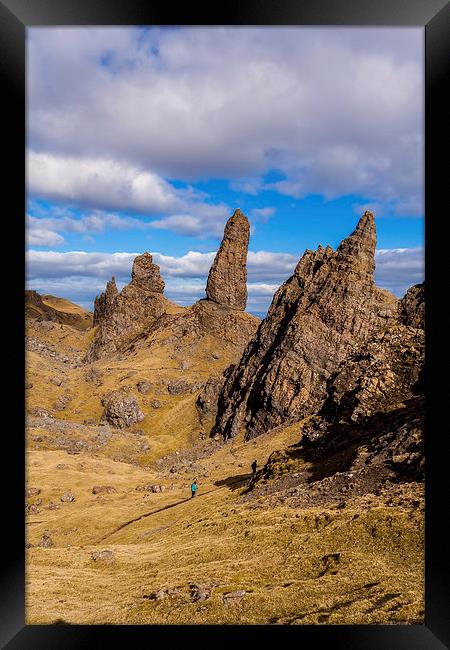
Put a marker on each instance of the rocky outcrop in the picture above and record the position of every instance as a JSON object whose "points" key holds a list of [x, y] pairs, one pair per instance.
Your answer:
{"points": [[227, 279], [103, 304], [370, 426], [412, 306], [206, 402], [121, 317], [37, 310], [317, 317], [121, 409]]}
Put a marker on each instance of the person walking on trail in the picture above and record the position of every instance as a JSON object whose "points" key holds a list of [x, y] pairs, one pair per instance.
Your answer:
{"points": [[193, 488], [254, 469]]}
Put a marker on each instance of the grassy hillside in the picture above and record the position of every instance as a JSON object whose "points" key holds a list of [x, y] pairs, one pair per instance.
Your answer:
{"points": [[125, 554]]}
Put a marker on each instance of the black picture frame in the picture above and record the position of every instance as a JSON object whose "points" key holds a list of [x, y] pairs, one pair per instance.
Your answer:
{"points": [[434, 16]]}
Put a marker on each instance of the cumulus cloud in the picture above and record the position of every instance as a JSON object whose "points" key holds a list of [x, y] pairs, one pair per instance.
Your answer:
{"points": [[121, 186], [397, 269], [80, 276], [43, 237], [262, 214], [333, 111], [262, 265]]}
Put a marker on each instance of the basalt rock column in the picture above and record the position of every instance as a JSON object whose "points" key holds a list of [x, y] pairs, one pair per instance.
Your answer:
{"points": [[121, 317], [227, 279], [329, 305]]}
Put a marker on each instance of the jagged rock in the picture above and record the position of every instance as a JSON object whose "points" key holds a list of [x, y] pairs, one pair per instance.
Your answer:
{"points": [[150, 488], [376, 376], [329, 305], [68, 497], [143, 386], [121, 409], [178, 387], [412, 306], [206, 402], [94, 375], [227, 279], [46, 541], [201, 592], [155, 404], [103, 304], [375, 402], [62, 402], [233, 597], [32, 492], [121, 317], [163, 593], [100, 489], [106, 555]]}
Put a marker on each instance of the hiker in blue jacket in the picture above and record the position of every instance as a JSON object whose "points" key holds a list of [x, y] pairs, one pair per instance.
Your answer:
{"points": [[193, 488]]}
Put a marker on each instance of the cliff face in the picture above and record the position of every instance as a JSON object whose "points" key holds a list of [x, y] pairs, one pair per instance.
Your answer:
{"points": [[326, 308], [120, 317], [374, 411]]}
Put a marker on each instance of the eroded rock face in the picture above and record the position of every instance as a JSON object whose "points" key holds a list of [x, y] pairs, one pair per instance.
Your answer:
{"points": [[121, 409], [121, 317], [227, 279], [327, 307], [103, 304], [206, 402], [412, 306]]}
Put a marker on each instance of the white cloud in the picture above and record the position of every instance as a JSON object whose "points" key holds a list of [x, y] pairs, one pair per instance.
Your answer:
{"points": [[262, 215], [398, 268], [120, 186], [334, 110], [43, 237], [80, 276]]}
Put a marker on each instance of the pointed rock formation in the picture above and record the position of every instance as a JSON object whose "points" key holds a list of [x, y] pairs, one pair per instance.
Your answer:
{"points": [[123, 316], [227, 279], [103, 302], [329, 305]]}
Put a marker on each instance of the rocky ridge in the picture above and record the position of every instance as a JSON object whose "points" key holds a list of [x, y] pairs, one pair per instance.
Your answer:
{"points": [[323, 311], [37, 309]]}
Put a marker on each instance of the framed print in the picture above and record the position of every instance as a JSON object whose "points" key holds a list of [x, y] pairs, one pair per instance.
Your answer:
{"points": [[232, 416]]}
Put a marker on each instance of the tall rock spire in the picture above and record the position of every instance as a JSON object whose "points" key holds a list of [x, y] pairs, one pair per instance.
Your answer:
{"points": [[329, 305], [359, 247], [121, 317], [227, 279]]}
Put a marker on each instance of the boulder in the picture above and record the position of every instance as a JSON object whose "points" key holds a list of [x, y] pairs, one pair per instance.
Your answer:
{"points": [[121, 410]]}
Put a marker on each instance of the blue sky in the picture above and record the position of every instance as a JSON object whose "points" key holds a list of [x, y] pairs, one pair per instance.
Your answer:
{"points": [[148, 139]]}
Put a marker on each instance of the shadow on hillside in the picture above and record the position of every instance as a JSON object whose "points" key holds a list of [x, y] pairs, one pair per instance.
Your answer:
{"points": [[338, 449], [234, 482]]}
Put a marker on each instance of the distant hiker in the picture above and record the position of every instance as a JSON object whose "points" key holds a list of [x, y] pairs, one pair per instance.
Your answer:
{"points": [[254, 469], [193, 488]]}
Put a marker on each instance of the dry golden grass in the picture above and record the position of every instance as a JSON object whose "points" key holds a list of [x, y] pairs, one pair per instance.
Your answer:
{"points": [[62, 304], [359, 564]]}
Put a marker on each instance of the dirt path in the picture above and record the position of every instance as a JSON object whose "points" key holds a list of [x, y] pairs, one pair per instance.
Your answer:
{"points": [[170, 505]]}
